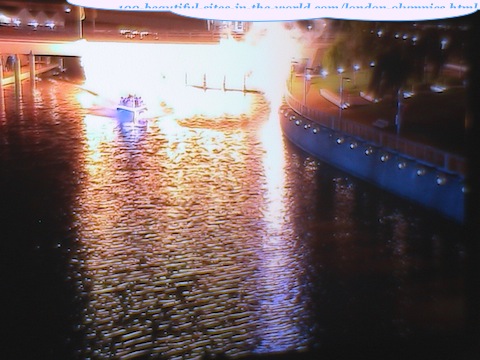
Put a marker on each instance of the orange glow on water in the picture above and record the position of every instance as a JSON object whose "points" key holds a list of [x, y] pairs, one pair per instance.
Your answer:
{"points": [[197, 203], [98, 130]]}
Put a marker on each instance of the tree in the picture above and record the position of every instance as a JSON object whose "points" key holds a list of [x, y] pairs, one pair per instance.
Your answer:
{"points": [[402, 52]]}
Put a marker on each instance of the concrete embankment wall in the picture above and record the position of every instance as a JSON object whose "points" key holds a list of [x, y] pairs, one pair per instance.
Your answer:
{"points": [[435, 186]]}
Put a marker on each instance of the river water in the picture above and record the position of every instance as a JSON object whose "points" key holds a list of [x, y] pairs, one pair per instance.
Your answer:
{"points": [[176, 238]]}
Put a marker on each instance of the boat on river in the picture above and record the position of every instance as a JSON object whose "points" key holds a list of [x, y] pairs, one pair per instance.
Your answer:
{"points": [[133, 104]]}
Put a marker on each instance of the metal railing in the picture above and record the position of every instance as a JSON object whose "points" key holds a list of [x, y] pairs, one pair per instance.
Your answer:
{"points": [[427, 154], [170, 35]]}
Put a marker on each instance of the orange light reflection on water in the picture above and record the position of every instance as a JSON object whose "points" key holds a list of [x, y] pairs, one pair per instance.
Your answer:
{"points": [[281, 266], [98, 130], [185, 237], [186, 225]]}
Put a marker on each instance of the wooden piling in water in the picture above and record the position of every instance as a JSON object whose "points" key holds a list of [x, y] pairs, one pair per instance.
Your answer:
{"points": [[31, 60], [1, 75], [17, 72], [2, 99]]}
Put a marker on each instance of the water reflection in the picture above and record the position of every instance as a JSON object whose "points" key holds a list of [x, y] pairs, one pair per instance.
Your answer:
{"points": [[181, 245], [212, 235], [282, 312], [2, 106]]}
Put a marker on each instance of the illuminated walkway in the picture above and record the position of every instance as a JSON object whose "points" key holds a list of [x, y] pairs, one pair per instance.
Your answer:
{"points": [[407, 141]]}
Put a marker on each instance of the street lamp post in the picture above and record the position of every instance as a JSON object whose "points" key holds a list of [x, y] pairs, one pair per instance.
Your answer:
{"points": [[292, 70], [356, 67], [443, 45], [340, 71], [306, 76], [341, 94], [398, 115]]}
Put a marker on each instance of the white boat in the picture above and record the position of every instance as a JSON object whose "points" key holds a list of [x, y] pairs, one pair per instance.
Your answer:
{"points": [[133, 104]]}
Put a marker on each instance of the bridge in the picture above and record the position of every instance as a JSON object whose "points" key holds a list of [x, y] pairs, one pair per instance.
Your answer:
{"points": [[35, 54], [66, 44], [41, 47], [45, 44], [17, 49]]}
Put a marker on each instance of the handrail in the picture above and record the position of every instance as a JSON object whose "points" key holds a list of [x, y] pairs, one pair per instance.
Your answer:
{"points": [[443, 160], [115, 35]]}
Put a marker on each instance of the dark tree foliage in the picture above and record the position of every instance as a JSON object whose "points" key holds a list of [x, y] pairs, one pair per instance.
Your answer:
{"points": [[400, 52], [389, 74]]}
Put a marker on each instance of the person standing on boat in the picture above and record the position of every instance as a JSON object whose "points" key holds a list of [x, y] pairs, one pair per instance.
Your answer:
{"points": [[9, 63]]}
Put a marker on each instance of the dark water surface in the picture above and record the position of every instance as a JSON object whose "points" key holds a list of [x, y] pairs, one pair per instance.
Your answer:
{"points": [[178, 238]]}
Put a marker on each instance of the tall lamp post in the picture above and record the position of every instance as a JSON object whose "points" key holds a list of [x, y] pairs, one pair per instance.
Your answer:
{"points": [[292, 70], [356, 67], [398, 115], [306, 77], [443, 46], [341, 94], [340, 71]]}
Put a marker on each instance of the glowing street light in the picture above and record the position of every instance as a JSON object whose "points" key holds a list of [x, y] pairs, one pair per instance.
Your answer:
{"points": [[444, 43], [340, 71], [356, 67]]}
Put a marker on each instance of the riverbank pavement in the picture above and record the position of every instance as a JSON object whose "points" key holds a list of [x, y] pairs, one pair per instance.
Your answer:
{"points": [[328, 102]]}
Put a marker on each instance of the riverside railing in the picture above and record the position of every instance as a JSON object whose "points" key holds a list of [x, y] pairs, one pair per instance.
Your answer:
{"points": [[115, 35], [440, 159]]}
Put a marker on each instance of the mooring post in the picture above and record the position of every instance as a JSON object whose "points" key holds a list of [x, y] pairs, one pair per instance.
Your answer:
{"points": [[2, 99], [1, 73], [31, 61], [17, 71]]}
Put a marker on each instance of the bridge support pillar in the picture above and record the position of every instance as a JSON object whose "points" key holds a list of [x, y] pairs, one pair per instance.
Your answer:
{"points": [[31, 61], [18, 72]]}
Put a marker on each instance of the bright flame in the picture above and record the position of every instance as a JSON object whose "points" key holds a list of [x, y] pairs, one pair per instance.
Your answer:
{"points": [[158, 72]]}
